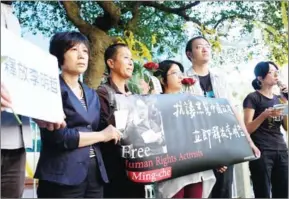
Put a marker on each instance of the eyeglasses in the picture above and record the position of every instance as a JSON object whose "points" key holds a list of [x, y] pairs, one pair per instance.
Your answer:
{"points": [[276, 72], [202, 46], [177, 73]]}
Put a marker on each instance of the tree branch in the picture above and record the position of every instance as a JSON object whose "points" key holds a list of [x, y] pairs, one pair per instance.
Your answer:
{"points": [[188, 6], [73, 14], [112, 10], [135, 15], [178, 11], [240, 16]]}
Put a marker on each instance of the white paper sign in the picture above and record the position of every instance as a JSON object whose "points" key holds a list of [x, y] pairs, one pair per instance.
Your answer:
{"points": [[31, 77], [157, 85], [121, 117]]}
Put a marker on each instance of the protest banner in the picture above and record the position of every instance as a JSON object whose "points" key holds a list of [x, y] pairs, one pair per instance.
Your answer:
{"points": [[31, 76], [168, 136]]}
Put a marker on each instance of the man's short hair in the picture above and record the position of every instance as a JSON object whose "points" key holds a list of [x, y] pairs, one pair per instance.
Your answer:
{"points": [[111, 52], [190, 43]]}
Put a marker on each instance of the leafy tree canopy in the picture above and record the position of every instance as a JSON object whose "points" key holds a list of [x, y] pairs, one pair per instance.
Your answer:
{"points": [[158, 27]]}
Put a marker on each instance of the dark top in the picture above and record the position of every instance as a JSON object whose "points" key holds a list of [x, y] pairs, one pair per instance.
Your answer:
{"points": [[61, 160], [268, 135], [206, 85], [120, 186]]}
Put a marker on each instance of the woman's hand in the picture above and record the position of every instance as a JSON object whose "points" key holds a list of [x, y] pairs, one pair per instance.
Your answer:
{"points": [[51, 126], [283, 88], [271, 112], [111, 133], [222, 169], [256, 151]]}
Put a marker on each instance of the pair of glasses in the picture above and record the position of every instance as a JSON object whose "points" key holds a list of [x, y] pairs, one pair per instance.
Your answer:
{"points": [[202, 46], [276, 72], [177, 73]]}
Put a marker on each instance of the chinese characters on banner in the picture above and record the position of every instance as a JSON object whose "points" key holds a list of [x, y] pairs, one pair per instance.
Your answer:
{"points": [[15, 69], [31, 77], [168, 136]]}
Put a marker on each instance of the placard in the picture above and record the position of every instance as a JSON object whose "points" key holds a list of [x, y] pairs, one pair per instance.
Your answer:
{"points": [[168, 136], [31, 77]]}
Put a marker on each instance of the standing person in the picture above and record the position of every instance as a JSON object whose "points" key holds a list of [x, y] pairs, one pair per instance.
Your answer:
{"points": [[189, 186], [14, 137], [270, 172], [119, 63], [70, 163], [209, 84]]}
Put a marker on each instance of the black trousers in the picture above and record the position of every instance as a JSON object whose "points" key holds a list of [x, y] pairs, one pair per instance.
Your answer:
{"points": [[124, 188], [12, 172], [223, 186], [270, 171], [91, 187]]}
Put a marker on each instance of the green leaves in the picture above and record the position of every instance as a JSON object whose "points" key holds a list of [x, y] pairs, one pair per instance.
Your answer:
{"points": [[49, 17]]}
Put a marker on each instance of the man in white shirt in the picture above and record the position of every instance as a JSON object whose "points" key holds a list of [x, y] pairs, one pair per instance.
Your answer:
{"points": [[209, 84]]}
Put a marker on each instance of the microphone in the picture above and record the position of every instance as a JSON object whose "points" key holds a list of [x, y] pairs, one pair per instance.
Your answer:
{"points": [[283, 93]]}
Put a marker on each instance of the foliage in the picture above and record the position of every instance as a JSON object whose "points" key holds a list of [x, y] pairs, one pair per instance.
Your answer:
{"points": [[276, 30], [153, 28]]}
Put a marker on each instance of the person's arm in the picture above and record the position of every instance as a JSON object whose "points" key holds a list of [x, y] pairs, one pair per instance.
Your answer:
{"points": [[71, 138], [242, 124], [251, 124]]}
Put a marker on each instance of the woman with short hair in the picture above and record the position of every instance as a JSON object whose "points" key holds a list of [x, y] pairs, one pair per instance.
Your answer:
{"points": [[70, 163]]}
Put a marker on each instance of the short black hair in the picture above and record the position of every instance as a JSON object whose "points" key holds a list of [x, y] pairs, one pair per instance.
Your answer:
{"points": [[261, 70], [190, 43], [63, 41], [111, 52], [164, 67]]}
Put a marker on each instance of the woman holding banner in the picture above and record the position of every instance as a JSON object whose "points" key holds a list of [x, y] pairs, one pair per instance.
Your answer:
{"points": [[263, 122], [70, 163], [197, 185]]}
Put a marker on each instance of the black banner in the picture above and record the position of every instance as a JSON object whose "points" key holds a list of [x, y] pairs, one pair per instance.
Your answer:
{"points": [[168, 136]]}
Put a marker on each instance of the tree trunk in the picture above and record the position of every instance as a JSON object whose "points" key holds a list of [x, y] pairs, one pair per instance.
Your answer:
{"points": [[99, 41]]}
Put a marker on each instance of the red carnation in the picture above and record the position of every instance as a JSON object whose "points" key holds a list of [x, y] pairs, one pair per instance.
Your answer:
{"points": [[188, 81], [151, 66]]}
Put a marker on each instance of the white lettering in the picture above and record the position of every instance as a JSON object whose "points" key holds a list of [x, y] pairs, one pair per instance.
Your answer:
{"points": [[129, 152]]}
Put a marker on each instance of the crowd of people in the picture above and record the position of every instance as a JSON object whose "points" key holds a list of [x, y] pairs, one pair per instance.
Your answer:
{"points": [[79, 156]]}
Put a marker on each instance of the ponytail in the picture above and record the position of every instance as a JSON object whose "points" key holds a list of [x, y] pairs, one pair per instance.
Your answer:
{"points": [[256, 84]]}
